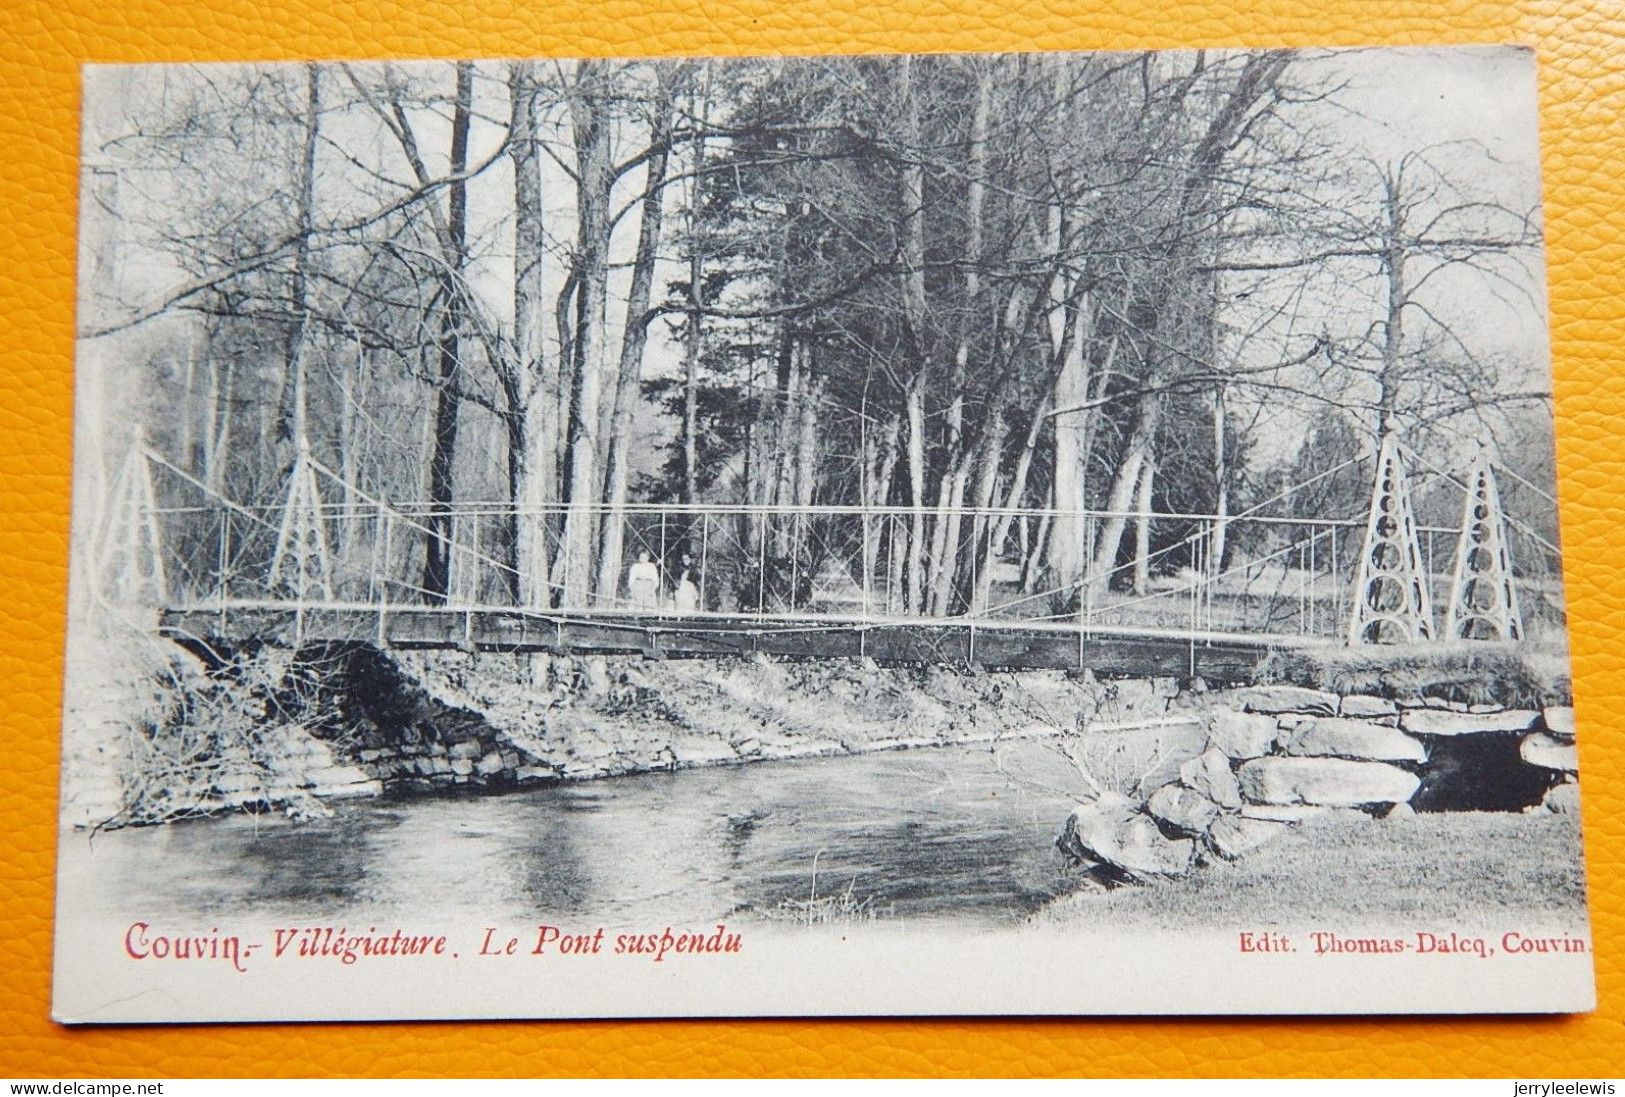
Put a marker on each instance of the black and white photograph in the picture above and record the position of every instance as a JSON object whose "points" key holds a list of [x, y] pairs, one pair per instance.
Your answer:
{"points": [[997, 534]]}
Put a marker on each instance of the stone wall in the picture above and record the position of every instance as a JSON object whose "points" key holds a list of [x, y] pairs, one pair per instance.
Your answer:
{"points": [[396, 735], [414, 722], [1277, 755]]}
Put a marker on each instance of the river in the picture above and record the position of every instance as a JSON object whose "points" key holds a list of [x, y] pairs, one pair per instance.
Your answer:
{"points": [[963, 831]]}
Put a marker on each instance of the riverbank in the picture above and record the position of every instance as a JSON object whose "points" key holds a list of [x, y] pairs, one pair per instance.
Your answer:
{"points": [[268, 729], [1484, 871], [197, 731], [597, 716]]}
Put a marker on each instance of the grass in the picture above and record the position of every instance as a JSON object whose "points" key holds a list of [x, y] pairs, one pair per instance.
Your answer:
{"points": [[1465, 870], [1518, 674], [841, 909]]}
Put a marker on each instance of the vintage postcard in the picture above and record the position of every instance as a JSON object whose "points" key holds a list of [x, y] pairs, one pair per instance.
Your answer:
{"points": [[987, 534]]}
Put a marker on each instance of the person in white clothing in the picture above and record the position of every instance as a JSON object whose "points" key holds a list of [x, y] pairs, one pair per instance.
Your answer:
{"points": [[686, 598], [643, 583]]}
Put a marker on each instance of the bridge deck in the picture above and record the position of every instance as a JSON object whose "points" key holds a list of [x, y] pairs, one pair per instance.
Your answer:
{"points": [[981, 642]]}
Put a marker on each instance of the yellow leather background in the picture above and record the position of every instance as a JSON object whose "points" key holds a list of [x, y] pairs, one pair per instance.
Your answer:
{"points": [[42, 42]]}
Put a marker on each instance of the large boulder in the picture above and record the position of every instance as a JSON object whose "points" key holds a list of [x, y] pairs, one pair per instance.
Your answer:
{"points": [[1278, 699], [1436, 721], [1109, 830], [1563, 799], [1559, 720], [1332, 782], [1183, 809], [1233, 835], [1142, 849], [1210, 774], [1550, 752], [1326, 736], [1091, 822], [1242, 734], [1358, 705]]}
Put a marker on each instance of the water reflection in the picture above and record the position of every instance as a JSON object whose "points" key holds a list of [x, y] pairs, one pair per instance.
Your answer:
{"points": [[956, 831]]}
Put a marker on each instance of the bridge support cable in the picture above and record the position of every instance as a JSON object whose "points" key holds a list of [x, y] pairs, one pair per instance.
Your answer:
{"points": [[1391, 598], [1512, 521], [831, 563], [395, 517], [1483, 598], [301, 562], [131, 566]]}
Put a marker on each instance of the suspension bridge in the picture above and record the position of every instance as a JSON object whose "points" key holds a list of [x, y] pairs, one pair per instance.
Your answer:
{"points": [[326, 562]]}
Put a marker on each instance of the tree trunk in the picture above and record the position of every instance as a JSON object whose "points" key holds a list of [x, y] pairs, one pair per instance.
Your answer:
{"points": [[876, 527], [982, 550], [1221, 485], [1142, 526], [956, 466], [805, 478], [914, 571], [443, 458], [1041, 548], [217, 425], [761, 464], [591, 131], [1033, 564], [693, 329], [292, 416], [1073, 431], [533, 476], [999, 527], [1181, 287], [188, 427], [785, 413], [1147, 415], [1393, 343], [691, 379], [351, 384], [911, 212], [564, 313], [533, 433], [634, 340], [945, 541]]}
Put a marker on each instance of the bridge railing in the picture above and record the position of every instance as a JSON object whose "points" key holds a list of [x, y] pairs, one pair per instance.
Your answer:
{"points": [[170, 538], [1279, 575]]}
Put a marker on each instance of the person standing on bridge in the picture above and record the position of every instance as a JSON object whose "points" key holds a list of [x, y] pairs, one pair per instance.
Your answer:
{"points": [[686, 596], [643, 583]]}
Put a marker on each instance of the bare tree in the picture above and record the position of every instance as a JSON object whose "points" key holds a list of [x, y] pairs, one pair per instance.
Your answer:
{"points": [[532, 385]]}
